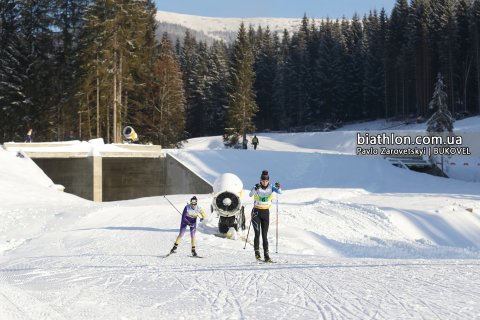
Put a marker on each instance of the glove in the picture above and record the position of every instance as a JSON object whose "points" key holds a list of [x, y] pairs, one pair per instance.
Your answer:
{"points": [[277, 185], [257, 186], [190, 225], [201, 219]]}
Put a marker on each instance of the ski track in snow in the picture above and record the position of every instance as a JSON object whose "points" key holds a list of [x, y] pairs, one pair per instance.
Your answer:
{"points": [[110, 265]]}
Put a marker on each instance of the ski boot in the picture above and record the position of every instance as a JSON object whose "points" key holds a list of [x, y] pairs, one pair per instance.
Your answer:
{"points": [[174, 248], [194, 253], [257, 255], [267, 258]]}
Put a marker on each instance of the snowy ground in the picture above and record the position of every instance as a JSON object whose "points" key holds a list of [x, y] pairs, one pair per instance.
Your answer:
{"points": [[359, 239]]}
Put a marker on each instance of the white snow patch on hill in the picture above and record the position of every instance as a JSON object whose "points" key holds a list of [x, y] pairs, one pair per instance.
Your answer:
{"points": [[210, 25]]}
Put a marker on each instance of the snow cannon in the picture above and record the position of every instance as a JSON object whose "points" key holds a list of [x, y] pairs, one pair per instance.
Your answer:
{"points": [[227, 191], [130, 134]]}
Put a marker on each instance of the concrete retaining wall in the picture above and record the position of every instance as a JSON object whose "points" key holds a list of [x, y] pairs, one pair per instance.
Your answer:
{"points": [[132, 178], [75, 174], [123, 178], [180, 179]]}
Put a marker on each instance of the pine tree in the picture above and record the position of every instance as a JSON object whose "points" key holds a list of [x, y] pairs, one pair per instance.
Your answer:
{"points": [[419, 28], [200, 95], [280, 85], [297, 74], [241, 107], [115, 51], [265, 76], [163, 115], [218, 72], [382, 40], [35, 22], [329, 80], [93, 61], [397, 41], [465, 57], [445, 23], [13, 108], [354, 69], [441, 120], [188, 58], [476, 43], [373, 82]]}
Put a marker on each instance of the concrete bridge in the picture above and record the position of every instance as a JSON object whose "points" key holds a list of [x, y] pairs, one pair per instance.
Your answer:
{"points": [[113, 172]]}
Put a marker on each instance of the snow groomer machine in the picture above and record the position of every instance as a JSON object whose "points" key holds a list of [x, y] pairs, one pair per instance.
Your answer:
{"points": [[227, 191]]}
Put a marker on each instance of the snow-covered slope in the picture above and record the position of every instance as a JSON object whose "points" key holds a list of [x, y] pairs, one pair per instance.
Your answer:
{"points": [[358, 238], [209, 24], [225, 28]]}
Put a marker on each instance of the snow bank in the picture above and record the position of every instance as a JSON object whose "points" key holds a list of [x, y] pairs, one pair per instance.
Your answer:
{"points": [[319, 170], [29, 202]]}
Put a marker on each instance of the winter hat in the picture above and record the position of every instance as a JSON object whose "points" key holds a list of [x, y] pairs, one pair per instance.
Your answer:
{"points": [[264, 175], [193, 200]]}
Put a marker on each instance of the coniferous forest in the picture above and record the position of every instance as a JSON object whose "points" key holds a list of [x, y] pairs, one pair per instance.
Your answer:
{"points": [[95, 66]]}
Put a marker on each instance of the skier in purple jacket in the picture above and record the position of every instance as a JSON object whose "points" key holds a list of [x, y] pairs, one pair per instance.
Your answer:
{"points": [[189, 218]]}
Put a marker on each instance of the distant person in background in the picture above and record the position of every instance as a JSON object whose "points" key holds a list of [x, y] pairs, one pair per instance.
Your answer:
{"points": [[72, 135], [245, 144], [33, 135], [29, 136], [255, 142]]}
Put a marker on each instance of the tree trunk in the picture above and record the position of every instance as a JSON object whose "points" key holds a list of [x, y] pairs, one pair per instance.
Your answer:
{"points": [[396, 95], [477, 49], [108, 125], [119, 130], [89, 124], [80, 126], [125, 110], [98, 103], [403, 91], [58, 120], [385, 83], [114, 132]]}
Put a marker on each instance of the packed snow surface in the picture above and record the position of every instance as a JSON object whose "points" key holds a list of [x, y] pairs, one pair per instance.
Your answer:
{"points": [[358, 239]]}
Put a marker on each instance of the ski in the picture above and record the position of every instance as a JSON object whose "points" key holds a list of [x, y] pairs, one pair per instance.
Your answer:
{"points": [[261, 261], [174, 252], [249, 242]]}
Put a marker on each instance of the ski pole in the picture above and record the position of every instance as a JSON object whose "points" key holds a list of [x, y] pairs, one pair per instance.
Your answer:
{"points": [[246, 239], [277, 224], [172, 205]]}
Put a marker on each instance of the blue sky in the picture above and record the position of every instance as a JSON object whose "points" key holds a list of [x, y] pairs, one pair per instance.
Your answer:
{"points": [[274, 8]]}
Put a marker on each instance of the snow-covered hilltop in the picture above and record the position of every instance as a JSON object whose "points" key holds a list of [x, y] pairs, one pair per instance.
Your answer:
{"points": [[218, 28]]}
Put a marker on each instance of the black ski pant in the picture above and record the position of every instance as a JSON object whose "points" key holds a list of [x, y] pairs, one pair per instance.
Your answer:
{"points": [[254, 146], [260, 222]]}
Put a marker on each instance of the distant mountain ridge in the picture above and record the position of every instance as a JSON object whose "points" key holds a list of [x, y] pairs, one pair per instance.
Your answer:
{"points": [[209, 29]]}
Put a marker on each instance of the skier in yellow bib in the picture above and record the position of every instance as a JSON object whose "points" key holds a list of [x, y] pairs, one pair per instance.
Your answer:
{"points": [[263, 195]]}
